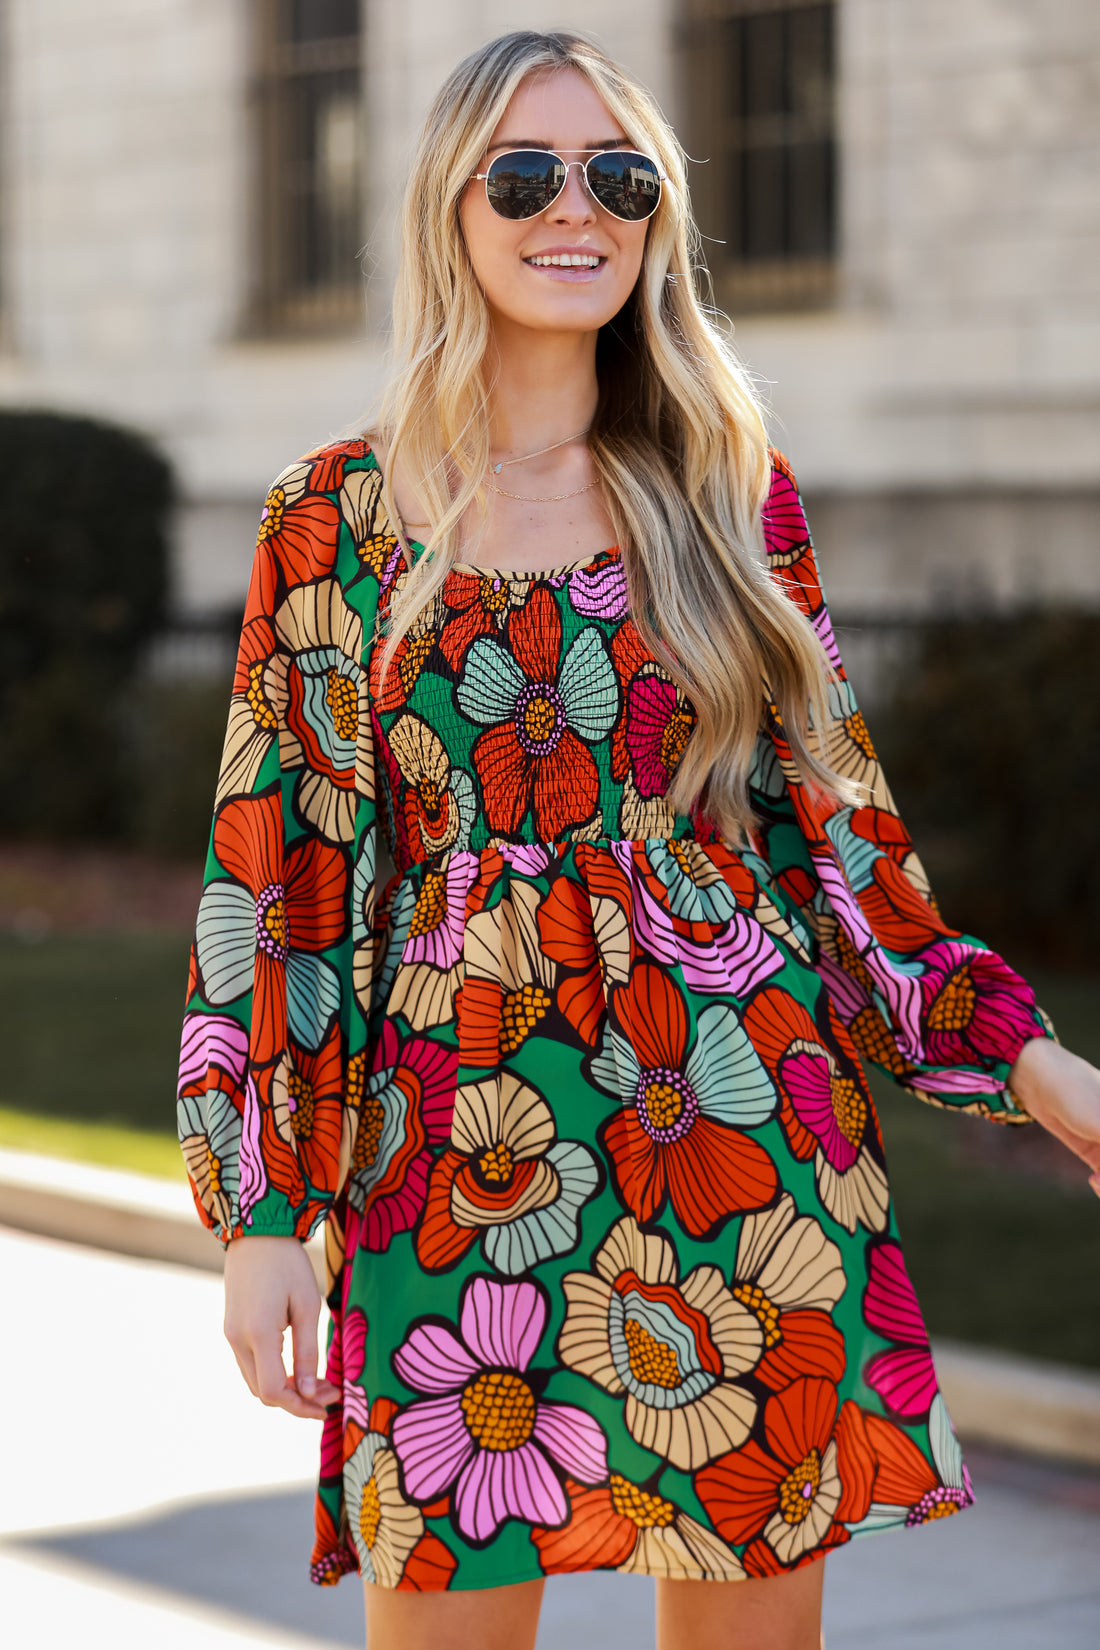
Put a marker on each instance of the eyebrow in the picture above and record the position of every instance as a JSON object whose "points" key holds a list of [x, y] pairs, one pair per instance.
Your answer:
{"points": [[540, 143]]}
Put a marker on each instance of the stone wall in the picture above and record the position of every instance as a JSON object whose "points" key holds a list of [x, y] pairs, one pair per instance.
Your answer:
{"points": [[944, 418]]}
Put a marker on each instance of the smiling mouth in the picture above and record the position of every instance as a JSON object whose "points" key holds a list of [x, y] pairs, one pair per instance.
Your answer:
{"points": [[566, 260]]}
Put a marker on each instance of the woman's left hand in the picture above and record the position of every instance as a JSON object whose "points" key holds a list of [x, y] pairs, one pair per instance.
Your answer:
{"points": [[1062, 1092]]}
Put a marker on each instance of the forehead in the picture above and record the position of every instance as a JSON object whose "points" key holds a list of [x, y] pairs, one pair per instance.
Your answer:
{"points": [[559, 109]]}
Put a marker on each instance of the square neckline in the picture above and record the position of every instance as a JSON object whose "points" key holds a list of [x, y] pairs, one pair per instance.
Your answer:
{"points": [[467, 570]]}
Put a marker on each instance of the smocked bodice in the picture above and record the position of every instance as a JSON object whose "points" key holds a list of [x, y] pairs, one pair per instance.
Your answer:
{"points": [[525, 708]]}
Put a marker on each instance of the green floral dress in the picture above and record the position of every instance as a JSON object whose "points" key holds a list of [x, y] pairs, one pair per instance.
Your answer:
{"points": [[614, 1274]]}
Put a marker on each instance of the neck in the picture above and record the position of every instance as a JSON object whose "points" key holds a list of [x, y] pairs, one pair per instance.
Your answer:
{"points": [[544, 390]]}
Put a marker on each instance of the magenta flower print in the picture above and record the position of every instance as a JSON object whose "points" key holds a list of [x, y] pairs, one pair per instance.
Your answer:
{"points": [[353, 1357], [974, 1006], [404, 1111], [903, 1376], [483, 1429], [659, 722]]}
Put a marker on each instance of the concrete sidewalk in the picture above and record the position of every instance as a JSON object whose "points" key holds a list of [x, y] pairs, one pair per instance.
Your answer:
{"points": [[994, 1398], [147, 1499]]}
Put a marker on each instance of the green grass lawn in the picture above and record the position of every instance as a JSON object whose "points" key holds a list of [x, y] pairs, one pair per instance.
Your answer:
{"points": [[90, 1029]]}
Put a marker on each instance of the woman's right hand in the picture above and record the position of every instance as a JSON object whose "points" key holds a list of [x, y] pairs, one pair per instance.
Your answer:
{"points": [[269, 1287]]}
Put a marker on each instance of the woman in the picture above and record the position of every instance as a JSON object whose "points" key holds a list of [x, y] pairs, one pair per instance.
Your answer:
{"points": [[613, 1269]]}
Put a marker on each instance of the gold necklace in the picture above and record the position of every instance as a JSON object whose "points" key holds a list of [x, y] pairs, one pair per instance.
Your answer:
{"points": [[549, 498], [564, 442]]}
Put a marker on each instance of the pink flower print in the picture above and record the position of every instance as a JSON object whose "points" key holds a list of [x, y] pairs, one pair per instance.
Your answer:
{"points": [[353, 1344], [903, 1376], [437, 938], [483, 1429], [974, 1007], [599, 592]]}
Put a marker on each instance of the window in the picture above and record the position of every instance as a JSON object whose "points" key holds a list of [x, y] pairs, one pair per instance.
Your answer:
{"points": [[310, 153], [760, 91]]}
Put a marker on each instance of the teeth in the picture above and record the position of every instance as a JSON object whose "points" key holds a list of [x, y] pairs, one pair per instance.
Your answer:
{"points": [[566, 260]]}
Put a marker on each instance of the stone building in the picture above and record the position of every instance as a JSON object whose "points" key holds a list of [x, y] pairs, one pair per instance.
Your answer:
{"points": [[902, 198]]}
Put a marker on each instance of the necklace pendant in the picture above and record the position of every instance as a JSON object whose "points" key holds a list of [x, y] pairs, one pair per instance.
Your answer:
{"points": [[498, 467]]}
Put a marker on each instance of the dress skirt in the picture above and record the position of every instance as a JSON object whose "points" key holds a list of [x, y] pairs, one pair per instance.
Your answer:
{"points": [[615, 1278]]}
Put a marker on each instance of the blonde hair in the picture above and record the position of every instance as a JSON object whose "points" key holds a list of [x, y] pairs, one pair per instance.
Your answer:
{"points": [[678, 440]]}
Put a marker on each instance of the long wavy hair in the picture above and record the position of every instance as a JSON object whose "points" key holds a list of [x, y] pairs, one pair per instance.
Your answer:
{"points": [[678, 440]]}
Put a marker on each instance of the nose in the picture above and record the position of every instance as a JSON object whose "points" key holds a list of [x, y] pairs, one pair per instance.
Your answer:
{"points": [[574, 200]]}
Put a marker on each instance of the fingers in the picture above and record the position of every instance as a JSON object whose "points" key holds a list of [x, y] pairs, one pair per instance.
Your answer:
{"points": [[269, 1285]]}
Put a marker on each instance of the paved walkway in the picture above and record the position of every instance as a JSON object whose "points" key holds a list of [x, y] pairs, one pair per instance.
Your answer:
{"points": [[147, 1499]]}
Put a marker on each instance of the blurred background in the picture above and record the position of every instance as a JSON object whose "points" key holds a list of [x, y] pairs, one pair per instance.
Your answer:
{"points": [[901, 205]]}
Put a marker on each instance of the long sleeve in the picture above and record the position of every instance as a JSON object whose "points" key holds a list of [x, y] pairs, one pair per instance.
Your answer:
{"points": [[271, 1061], [936, 1009]]}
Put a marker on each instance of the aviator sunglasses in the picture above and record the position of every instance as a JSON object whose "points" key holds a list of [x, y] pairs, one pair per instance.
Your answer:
{"points": [[521, 183]]}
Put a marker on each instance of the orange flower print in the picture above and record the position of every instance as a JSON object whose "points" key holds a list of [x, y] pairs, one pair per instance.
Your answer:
{"points": [[480, 603], [584, 928], [300, 527], [262, 928], [625, 1526], [908, 1489], [788, 1493], [253, 710], [675, 1133], [791, 1276], [540, 715]]}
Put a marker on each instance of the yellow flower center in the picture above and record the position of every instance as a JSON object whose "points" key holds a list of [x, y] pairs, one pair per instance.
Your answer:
{"points": [[496, 1163], [356, 1078], [429, 797], [953, 1009], [412, 662], [301, 1092], [370, 1512], [663, 1103], [645, 1510], [520, 1012], [856, 729], [673, 740], [272, 518], [940, 1509], [262, 713], [213, 1169], [540, 718], [752, 1296], [650, 1359], [431, 905], [275, 921], [849, 1108], [679, 854], [799, 1489], [367, 1141], [494, 595], [870, 1031], [343, 704], [500, 1410]]}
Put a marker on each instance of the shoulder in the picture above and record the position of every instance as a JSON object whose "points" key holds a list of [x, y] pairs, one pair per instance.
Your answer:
{"points": [[333, 486]]}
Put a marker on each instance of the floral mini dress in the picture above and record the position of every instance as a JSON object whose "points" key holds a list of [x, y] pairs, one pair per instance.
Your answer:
{"points": [[613, 1270]]}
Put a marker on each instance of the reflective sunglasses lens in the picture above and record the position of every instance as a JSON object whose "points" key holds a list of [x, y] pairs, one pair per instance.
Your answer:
{"points": [[522, 183], [625, 183]]}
